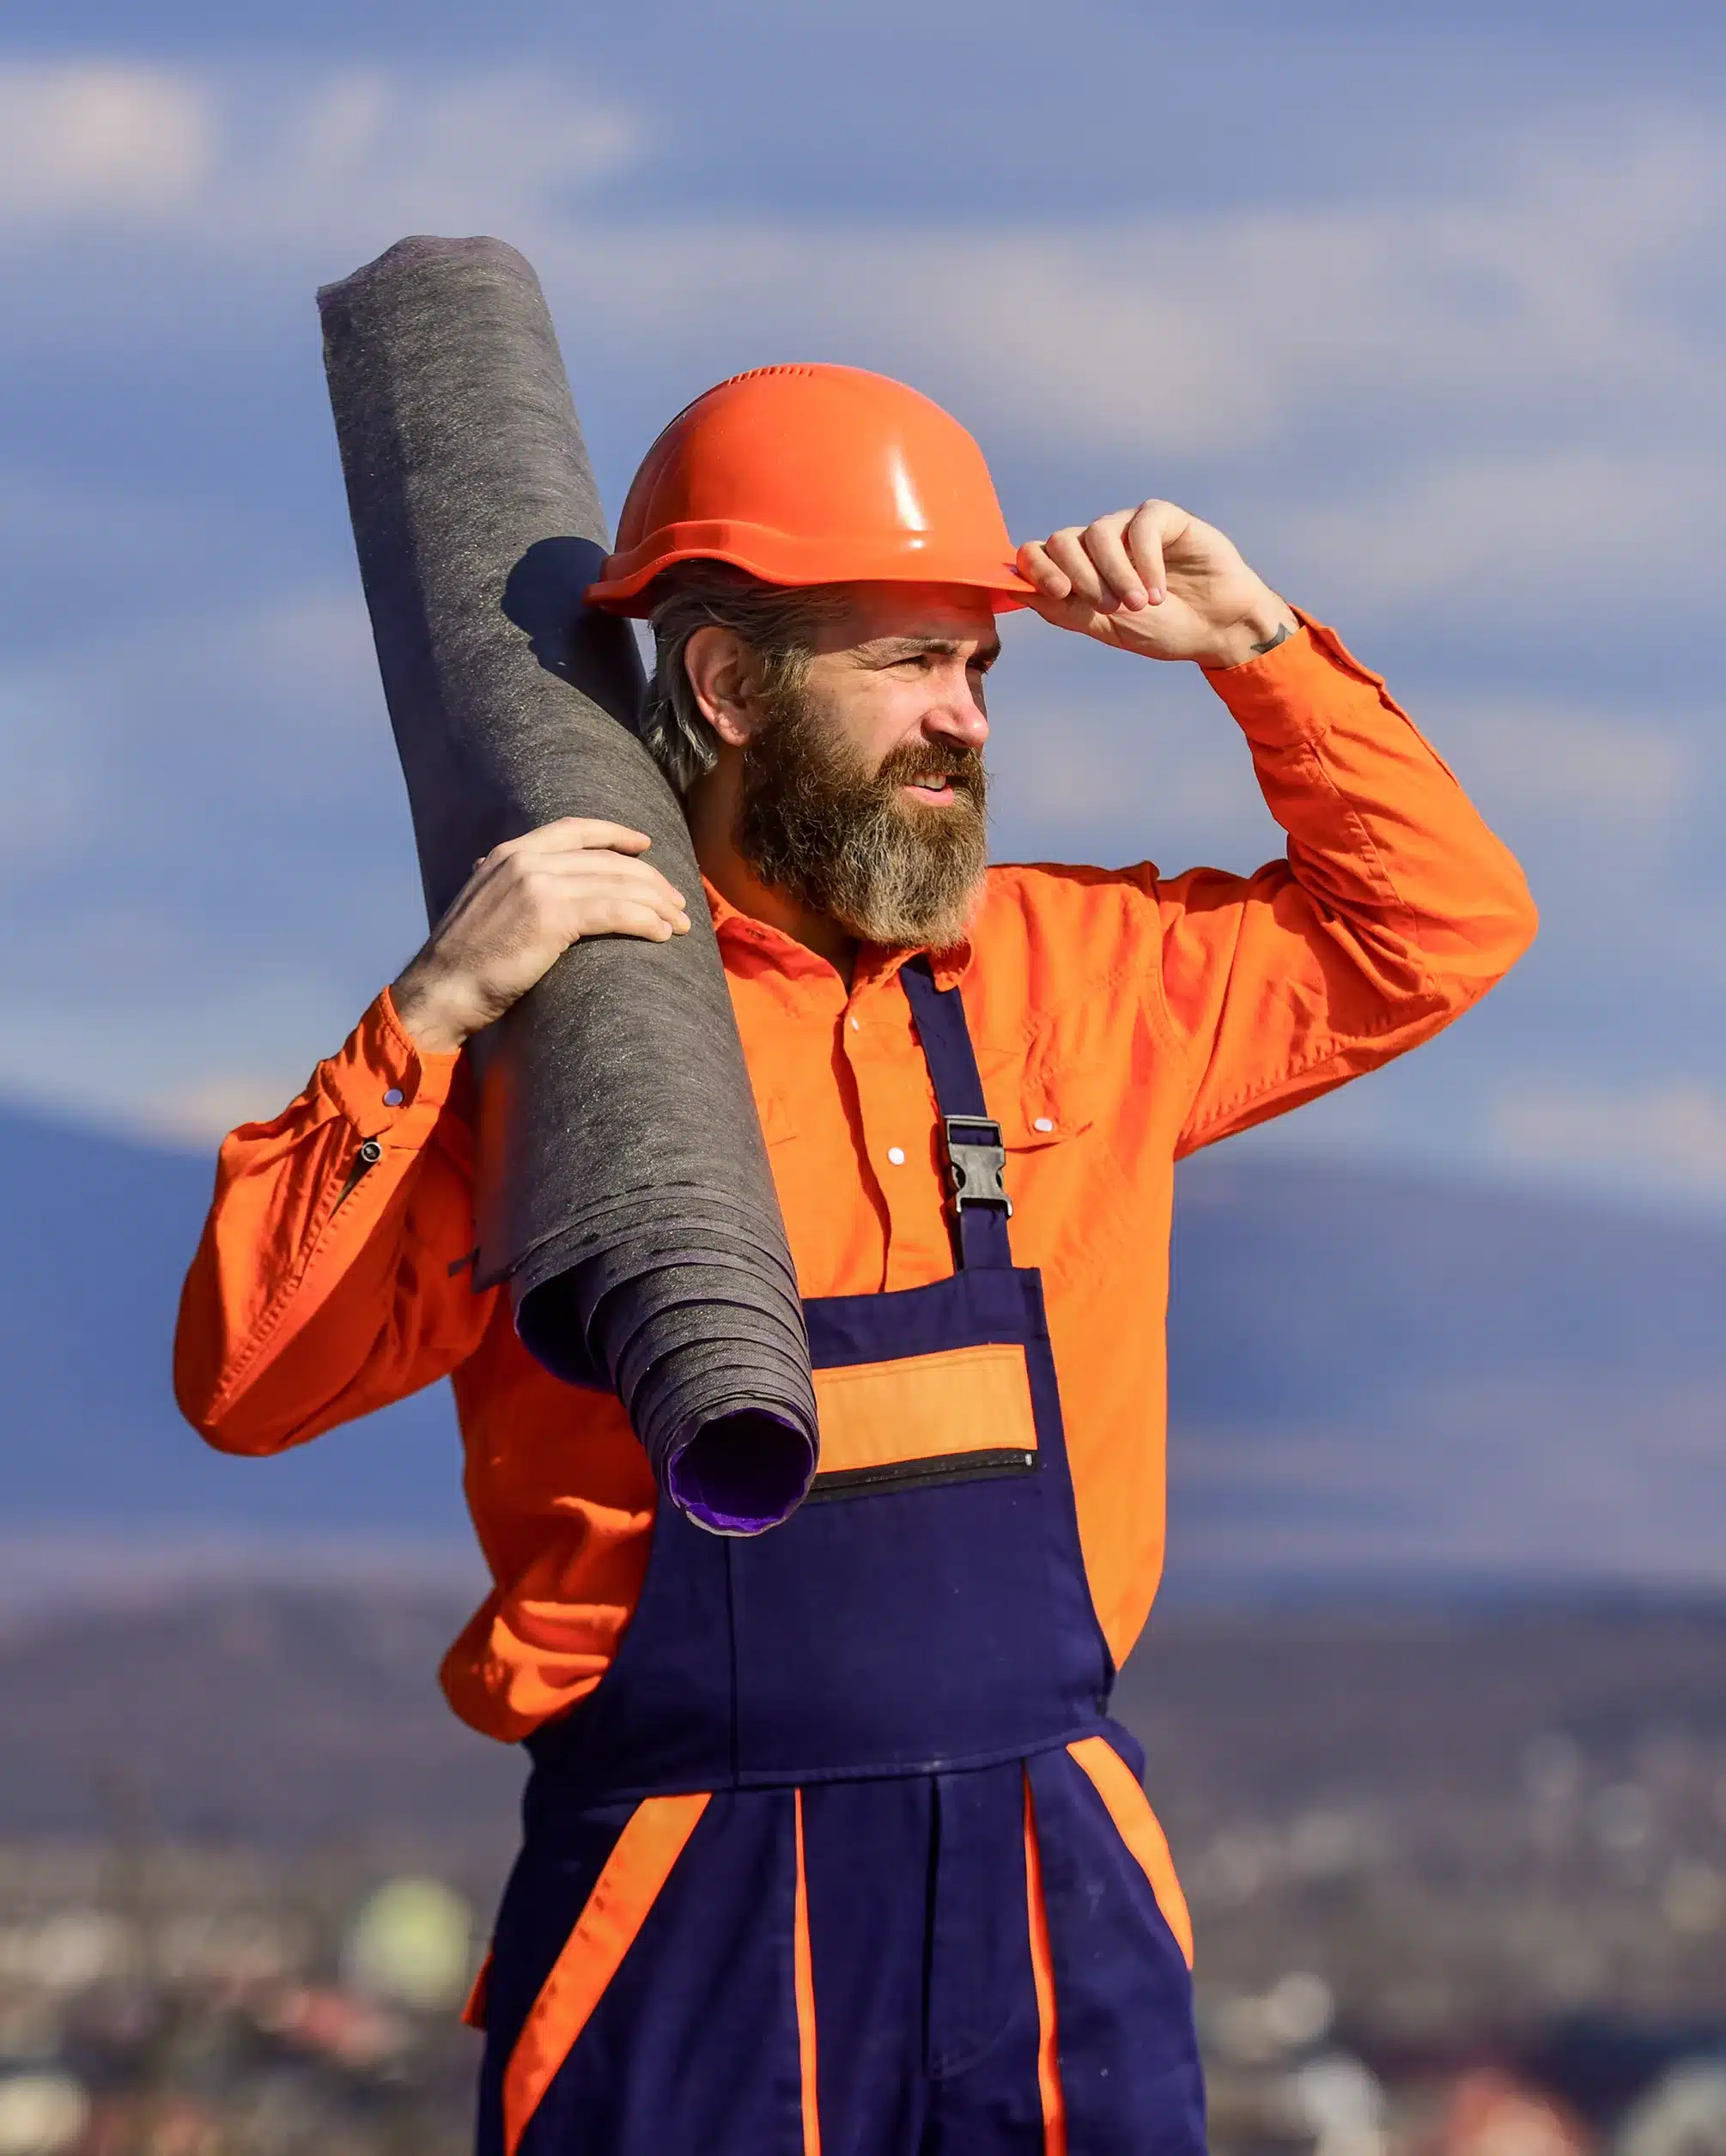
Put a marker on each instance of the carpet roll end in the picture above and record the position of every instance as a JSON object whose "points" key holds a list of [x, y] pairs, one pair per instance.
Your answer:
{"points": [[741, 1473]]}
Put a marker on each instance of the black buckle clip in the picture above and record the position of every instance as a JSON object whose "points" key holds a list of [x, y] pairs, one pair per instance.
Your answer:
{"points": [[976, 1162]]}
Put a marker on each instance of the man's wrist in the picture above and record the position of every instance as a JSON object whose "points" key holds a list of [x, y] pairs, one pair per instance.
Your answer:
{"points": [[1267, 622], [426, 1012]]}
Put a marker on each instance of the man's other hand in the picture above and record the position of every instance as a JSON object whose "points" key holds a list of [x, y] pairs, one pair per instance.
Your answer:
{"points": [[1158, 581], [526, 902]]}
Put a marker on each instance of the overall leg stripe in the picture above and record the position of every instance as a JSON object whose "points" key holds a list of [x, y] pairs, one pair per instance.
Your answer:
{"points": [[1042, 1977], [1136, 1824], [803, 1967], [624, 1892], [473, 2013]]}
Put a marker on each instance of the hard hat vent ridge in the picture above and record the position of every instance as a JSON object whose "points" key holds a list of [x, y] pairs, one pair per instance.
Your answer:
{"points": [[784, 366]]}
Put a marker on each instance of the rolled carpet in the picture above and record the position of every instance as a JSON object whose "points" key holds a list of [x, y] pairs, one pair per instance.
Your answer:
{"points": [[623, 1186]]}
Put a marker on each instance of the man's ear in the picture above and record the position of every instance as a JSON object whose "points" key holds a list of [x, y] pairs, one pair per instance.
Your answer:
{"points": [[721, 669]]}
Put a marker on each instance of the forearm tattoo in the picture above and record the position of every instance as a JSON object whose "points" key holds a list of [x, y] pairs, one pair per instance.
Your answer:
{"points": [[1281, 637]]}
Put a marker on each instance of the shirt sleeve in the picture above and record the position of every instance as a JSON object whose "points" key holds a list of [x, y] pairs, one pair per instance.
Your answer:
{"points": [[330, 1278], [1394, 909]]}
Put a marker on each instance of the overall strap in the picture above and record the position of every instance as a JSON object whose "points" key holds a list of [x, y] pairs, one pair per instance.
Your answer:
{"points": [[972, 1155]]}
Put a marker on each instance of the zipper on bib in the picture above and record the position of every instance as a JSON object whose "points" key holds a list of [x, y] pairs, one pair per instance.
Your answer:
{"points": [[922, 1474]]}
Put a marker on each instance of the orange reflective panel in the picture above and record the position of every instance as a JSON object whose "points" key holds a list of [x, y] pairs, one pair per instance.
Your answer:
{"points": [[925, 1406], [1137, 1825], [1042, 1978], [473, 2013], [803, 1977], [639, 1865]]}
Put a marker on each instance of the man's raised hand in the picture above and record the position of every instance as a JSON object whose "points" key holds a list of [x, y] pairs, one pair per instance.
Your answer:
{"points": [[1157, 580], [526, 902]]}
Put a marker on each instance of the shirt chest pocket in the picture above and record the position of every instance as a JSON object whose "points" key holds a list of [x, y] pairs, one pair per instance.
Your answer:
{"points": [[1044, 1103], [1045, 1112], [1071, 1210]]}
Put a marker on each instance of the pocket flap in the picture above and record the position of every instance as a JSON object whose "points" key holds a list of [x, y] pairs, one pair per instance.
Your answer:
{"points": [[1040, 1103], [778, 1119]]}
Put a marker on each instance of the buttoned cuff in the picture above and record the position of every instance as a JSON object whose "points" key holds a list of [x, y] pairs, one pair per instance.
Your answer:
{"points": [[385, 1086], [1293, 694]]}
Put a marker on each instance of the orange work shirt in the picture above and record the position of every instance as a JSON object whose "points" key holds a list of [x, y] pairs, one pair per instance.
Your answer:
{"points": [[1120, 1020]]}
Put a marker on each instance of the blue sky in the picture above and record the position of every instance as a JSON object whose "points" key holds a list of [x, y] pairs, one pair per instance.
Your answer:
{"points": [[1426, 312]]}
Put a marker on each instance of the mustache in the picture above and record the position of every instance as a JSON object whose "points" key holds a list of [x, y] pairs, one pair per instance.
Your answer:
{"points": [[917, 760]]}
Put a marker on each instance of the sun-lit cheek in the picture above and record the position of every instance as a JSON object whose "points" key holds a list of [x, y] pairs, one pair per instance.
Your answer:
{"points": [[852, 718], [894, 720]]}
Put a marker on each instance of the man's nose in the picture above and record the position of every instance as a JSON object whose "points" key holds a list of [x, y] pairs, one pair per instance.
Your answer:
{"points": [[961, 717]]}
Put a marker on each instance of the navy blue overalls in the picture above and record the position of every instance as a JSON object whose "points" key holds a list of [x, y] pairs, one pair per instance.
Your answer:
{"points": [[836, 1858]]}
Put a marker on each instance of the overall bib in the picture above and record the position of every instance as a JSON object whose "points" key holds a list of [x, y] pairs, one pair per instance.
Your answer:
{"points": [[843, 1854]]}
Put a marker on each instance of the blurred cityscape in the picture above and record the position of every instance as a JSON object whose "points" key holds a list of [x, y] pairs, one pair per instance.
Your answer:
{"points": [[1540, 1972], [1496, 1928], [176, 2000]]}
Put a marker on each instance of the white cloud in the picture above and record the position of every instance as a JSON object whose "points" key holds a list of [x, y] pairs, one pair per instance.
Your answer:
{"points": [[1137, 760], [271, 701], [233, 161], [50, 771], [204, 852], [186, 1058], [1509, 534], [84, 140], [202, 1111], [1194, 331], [1616, 771], [1094, 755], [1666, 1137], [363, 158], [1510, 380], [1215, 331]]}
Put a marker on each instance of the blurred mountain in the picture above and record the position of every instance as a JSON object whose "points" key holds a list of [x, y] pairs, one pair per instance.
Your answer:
{"points": [[1374, 1380], [251, 1713], [288, 1715], [1385, 1381], [100, 1233]]}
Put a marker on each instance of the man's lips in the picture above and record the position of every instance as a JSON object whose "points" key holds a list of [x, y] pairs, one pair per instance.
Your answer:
{"points": [[931, 788]]}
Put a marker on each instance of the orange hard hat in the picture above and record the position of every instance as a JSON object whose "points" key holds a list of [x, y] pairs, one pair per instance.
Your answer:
{"points": [[814, 474]]}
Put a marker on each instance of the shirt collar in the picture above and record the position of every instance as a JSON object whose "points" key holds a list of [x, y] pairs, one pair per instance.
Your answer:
{"points": [[738, 931]]}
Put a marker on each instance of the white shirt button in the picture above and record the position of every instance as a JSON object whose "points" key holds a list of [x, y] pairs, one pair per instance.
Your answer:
{"points": [[1043, 1123], [897, 1155], [393, 1097], [856, 1025]]}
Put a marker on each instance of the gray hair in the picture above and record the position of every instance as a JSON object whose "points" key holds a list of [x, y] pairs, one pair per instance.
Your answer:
{"points": [[780, 624]]}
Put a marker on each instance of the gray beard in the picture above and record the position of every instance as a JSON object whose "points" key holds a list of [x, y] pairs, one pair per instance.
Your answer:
{"points": [[841, 841]]}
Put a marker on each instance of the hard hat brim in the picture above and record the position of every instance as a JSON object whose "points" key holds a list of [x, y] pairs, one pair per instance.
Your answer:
{"points": [[781, 558]]}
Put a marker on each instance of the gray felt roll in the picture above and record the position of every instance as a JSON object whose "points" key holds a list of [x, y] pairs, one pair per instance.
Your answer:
{"points": [[624, 1190]]}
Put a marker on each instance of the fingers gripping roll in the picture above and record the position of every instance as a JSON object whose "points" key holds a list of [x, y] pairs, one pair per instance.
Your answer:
{"points": [[624, 1190]]}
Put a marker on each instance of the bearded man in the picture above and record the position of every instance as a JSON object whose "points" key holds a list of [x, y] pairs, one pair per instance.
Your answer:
{"points": [[830, 1844]]}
